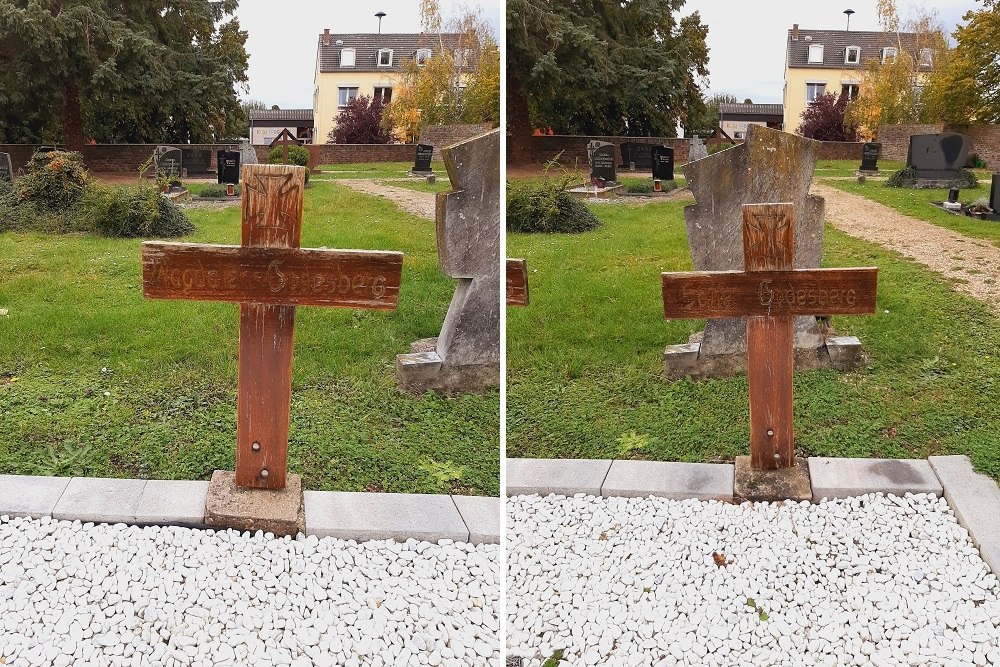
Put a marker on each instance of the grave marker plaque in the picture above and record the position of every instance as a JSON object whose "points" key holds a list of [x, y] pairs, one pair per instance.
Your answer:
{"points": [[6, 168], [517, 282], [870, 153], [422, 159], [938, 156], [247, 153], [663, 163], [639, 154], [602, 161], [269, 275], [228, 165], [168, 160], [196, 160], [769, 293]]}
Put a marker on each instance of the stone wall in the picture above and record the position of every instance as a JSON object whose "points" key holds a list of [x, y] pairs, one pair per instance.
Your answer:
{"points": [[841, 150], [985, 140], [440, 136], [895, 139]]}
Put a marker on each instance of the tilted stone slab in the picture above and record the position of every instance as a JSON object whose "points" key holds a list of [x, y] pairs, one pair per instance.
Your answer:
{"points": [[565, 477], [669, 479], [843, 478], [28, 496], [100, 500], [172, 502], [483, 516], [381, 516], [976, 501]]}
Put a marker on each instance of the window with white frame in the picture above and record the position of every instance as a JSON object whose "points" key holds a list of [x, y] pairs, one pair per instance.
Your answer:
{"points": [[346, 95], [422, 56], [384, 58], [815, 90], [347, 57], [816, 54], [849, 91], [383, 93], [926, 57], [852, 55], [889, 54]]}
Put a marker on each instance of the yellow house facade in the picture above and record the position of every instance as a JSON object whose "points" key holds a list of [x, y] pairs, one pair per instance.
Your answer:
{"points": [[355, 65], [836, 61]]}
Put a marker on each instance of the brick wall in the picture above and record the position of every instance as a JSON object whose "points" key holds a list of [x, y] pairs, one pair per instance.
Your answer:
{"points": [[895, 139], [840, 150], [440, 136], [985, 140], [348, 153], [574, 148]]}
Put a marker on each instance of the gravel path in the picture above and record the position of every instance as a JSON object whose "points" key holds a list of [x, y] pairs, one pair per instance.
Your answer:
{"points": [[971, 263], [412, 201], [73, 594], [873, 580]]}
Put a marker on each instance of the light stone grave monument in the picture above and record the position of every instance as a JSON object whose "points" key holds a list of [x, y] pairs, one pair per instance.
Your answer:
{"points": [[465, 356], [268, 276], [771, 166], [769, 293]]}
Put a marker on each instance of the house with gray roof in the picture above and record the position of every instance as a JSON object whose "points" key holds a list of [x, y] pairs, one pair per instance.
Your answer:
{"points": [[267, 124]]}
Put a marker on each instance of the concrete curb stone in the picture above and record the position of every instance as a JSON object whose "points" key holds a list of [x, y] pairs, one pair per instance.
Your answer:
{"points": [[842, 478], [100, 500], [28, 496], [380, 516], [976, 501], [560, 476], [669, 479]]}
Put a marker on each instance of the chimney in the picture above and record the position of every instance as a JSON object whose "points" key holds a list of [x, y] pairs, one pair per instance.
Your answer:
{"points": [[795, 32], [326, 36]]}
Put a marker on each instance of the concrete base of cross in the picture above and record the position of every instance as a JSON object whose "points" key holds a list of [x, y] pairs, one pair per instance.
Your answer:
{"points": [[772, 485], [423, 370], [279, 512], [842, 353]]}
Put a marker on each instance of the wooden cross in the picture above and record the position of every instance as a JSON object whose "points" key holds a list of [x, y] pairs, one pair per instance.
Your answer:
{"points": [[769, 293], [285, 139], [517, 282], [269, 275]]}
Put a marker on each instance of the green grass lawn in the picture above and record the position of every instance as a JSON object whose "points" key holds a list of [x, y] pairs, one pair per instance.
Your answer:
{"points": [[584, 359], [828, 168], [96, 380], [372, 170], [916, 204]]}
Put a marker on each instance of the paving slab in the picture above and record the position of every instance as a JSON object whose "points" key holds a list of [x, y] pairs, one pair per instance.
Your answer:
{"points": [[771, 485], [843, 478], [27, 496], [669, 479], [483, 516], [277, 511], [380, 516], [976, 501], [174, 502], [100, 500], [565, 477]]}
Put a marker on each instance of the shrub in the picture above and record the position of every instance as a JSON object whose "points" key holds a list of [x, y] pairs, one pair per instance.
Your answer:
{"points": [[135, 211], [53, 181], [715, 148], [907, 178], [545, 206], [6, 188], [824, 120], [296, 155], [362, 121], [216, 191]]}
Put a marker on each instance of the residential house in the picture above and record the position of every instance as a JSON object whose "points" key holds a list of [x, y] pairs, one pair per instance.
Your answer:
{"points": [[734, 119], [836, 61], [267, 124], [349, 66]]}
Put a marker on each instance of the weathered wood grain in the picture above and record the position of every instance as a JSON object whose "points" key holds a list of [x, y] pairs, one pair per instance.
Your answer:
{"points": [[698, 294], [768, 237], [517, 282], [770, 364], [278, 276]]}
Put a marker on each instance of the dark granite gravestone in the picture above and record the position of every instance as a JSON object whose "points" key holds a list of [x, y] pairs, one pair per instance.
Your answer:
{"points": [[228, 166], [6, 168], [602, 161], [196, 160], [168, 160], [869, 157], [422, 161], [938, 156], [636, 153], [663, 163], [995, 193]]}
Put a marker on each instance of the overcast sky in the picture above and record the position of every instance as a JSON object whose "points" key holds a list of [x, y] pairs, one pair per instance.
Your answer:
{"points": [[283, 35], [747, 48], [746, 41]]}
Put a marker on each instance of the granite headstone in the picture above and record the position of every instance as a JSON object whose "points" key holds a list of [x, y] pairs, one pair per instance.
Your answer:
{"points": [[635, 153], [995, 194], [168, 160], [698, 149], [602, 161], [422, 160], [196, 160], [870, 153], [6, 168], [938, 156], [228, 167], [247, 153], [663, 163]]}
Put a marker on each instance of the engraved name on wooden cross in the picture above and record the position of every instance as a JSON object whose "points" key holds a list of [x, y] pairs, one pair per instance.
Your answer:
{"points": [[269, 275], [770, 293], [517, 282]]}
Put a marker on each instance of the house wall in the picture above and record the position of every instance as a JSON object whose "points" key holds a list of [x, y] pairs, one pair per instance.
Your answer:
{"points": [[326, 99], [796, 79]]}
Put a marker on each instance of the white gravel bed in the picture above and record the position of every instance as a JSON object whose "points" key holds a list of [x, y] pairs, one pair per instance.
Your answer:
{"points": [[73, 594], [874, 580]]}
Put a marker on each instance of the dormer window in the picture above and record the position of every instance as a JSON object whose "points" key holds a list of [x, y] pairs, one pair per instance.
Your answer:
{"points": [[347, 57], [852, 55], [889, 54], [422, 56], [816, 54], [926, 57], [385, 57]]}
